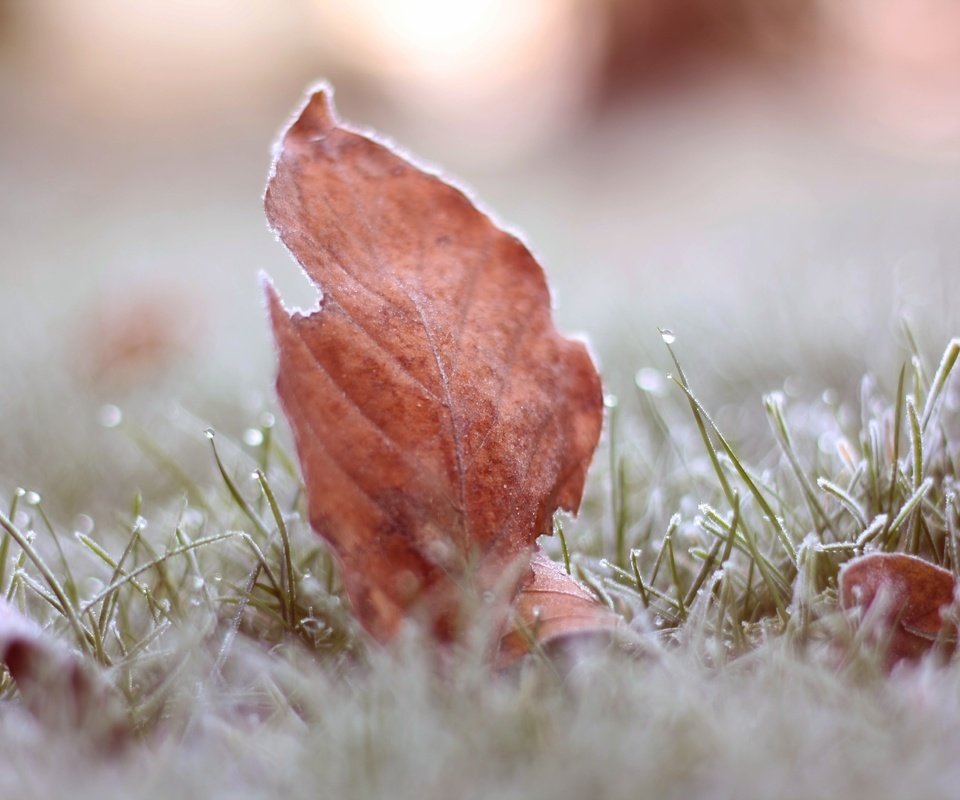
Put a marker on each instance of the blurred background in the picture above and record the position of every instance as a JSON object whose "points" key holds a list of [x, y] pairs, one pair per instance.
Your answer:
{"points": [[773, 180]]}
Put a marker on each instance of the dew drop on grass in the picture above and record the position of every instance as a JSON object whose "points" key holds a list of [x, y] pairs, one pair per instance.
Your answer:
{"points": [[83, 523], [668, 336], [267, 420], [252, 437], [830, 397], [610, 401], [110, 415], [140, 523], [209, 433], [197, 583], [31, 498]]}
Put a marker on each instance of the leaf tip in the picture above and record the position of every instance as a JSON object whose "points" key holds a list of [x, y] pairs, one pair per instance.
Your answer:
{"points": [[315, 119]]}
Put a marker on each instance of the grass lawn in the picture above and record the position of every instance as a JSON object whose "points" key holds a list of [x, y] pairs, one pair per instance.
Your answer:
{"points": [[217, 659]]}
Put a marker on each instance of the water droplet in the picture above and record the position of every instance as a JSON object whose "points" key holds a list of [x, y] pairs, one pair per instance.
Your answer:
{"points": [[83, 523], [20, 492], [140, 523], [110, 415], [197, 583], [610, 401], [209, 433], [650, 380], [253, 437], [439, 552], [668, 336], [31, 498], [830, 397], [217, 578], [267, 420], [30, 535], [775, 399]]}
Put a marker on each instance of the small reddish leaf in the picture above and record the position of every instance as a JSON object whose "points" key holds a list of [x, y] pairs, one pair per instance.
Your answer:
{"points": [[913, 594], [439, 417], [55, 684], [551, 608]]}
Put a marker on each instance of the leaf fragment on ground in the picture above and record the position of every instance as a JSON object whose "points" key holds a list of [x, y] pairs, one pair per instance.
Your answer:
{"points": [[55, 684], [551, 609], [439, 417], [908, 594]]}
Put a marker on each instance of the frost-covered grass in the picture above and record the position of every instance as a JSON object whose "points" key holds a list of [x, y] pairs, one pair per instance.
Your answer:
{"points": [[211, 614]]}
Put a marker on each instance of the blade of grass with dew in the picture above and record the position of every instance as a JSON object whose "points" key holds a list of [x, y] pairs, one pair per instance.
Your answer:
{"points": [[287, 573], [701, 415]]}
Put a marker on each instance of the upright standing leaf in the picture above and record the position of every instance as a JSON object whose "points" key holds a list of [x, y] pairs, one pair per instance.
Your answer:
{"points": [[439, 417]]}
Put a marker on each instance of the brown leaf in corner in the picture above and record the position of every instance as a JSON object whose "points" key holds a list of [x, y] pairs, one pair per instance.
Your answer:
{"points": [[913, 592], [439, 417]]}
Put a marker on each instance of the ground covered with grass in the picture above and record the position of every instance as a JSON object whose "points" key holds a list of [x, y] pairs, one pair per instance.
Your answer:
{"points": [[208, 651]]}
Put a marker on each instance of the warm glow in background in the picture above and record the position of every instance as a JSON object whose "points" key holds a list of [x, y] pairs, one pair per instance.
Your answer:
{"points": [[776, 181]]}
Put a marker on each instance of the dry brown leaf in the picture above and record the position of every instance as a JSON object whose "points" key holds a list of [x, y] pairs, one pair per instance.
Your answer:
{"points": [[55, 684], [913, 594], [552, 607], [439, 417]]}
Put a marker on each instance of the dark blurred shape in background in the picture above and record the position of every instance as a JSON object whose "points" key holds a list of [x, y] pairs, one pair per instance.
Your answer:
{"points": [[776, 181], [656, 46]]}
